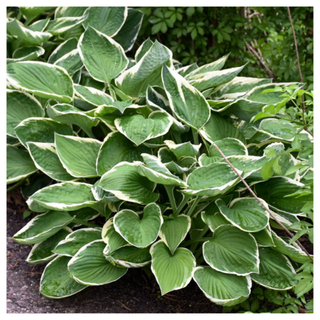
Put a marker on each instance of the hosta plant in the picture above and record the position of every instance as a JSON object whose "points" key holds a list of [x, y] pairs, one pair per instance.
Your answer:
{"points": [[130, 160]]}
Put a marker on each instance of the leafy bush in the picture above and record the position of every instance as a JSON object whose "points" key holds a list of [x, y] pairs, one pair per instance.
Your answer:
{"points": [[131, 161], [259, 35]]}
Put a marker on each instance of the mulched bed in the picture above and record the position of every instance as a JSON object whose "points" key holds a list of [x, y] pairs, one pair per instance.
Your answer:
{"points": [[133, 293]]}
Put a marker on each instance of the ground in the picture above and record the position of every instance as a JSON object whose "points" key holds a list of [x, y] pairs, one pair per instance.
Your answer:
{"points": [[133, 293]]}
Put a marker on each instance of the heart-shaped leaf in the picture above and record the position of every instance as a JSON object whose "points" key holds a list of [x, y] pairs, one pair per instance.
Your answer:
{"points": [[245, 213], [90, 267], [139, 129], [51, 82], [211, 180], [172, 271], [103, 57], [75, 240], [139, 231], [71, 62], [55, 280], [187, 103], [92, 95], [21, 106], [63, 49], [174, 230], [232, 251], [117, 148], [78, 155], [42, 227], [276, 271], [125, 182], [220, 288]]}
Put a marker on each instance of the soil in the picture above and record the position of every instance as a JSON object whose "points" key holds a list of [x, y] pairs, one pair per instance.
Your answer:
{"points": [[133, 293]]}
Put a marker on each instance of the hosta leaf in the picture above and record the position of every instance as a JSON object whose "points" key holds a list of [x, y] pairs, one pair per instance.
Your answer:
{"points": [[222, 289], [41, 79], [276, 271], [42, 227], [264, 237], [128, 33], [209, 67], [174, 230], [112, 238], [78, 155], [71, 62], [66, 113], [39, 25], [294, 253], [102, 56], [211, 180], [157, 101], [124, 181], [46, 159], [43, 251], [239, 85], [187, 103], [90, 267], [64, 196], [31, 13], [157, 172], [275, 192], [139, 231], [107, 20], [117, 148], [93, 95], [218, 128], [63, 49], [76, 240], [19, 164], [228, 146], [245, 213], [40, 130], [28, 53], [147, 72], [213, 219], [232, 251], [15, 28], [55, 281], [279, 129], [203, 81], [172, 271], [63, 24], [130, 257], [186, 149], [139, 129], [69, 12]]}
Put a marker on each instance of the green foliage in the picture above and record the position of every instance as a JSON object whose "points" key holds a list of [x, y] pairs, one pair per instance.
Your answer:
{"points": [[132, 161], [251, 34]]}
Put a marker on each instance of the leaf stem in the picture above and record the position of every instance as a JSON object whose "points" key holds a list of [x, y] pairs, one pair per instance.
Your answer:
{"points": [[261, 203], [172, 200], [15, 186], [193, 206], [181, 205], [195, 136]]}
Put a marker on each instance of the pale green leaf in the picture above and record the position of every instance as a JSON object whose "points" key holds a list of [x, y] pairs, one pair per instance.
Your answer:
{"points": [[172, 271]]}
